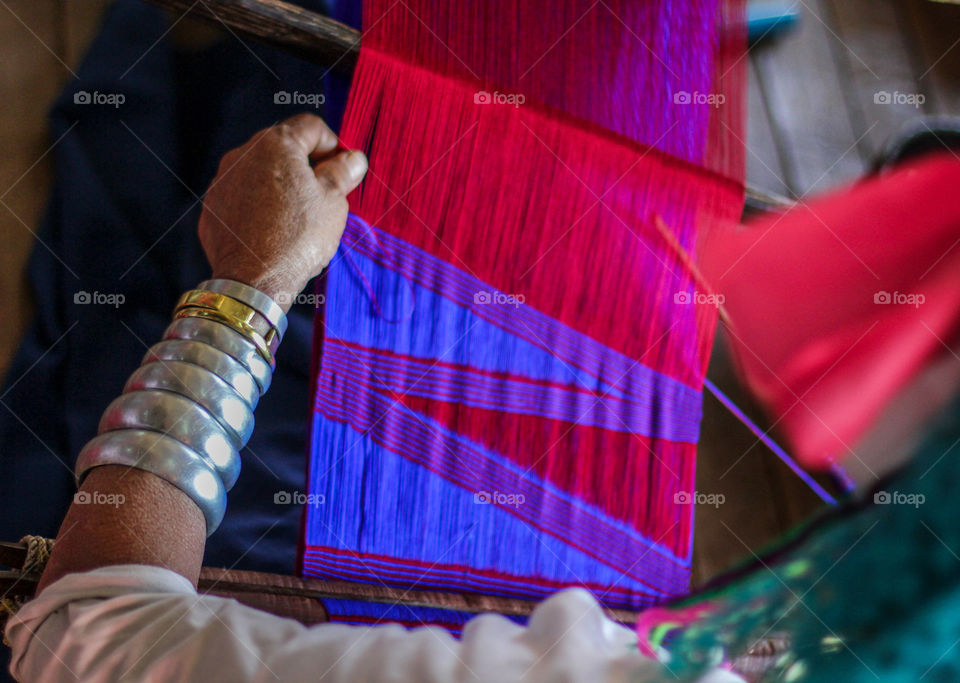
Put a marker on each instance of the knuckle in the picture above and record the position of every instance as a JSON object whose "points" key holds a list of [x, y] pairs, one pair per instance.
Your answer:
{"points": [[284, 138], [228, 159], [298, 119], [332, 183], [259, 138]]}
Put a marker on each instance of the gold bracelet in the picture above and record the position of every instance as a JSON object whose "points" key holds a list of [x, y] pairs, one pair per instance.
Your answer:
{"points": [[228, 306], [248, 332]]}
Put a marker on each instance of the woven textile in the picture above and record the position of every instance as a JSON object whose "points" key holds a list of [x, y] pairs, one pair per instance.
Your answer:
{"points": [[509, 373]]}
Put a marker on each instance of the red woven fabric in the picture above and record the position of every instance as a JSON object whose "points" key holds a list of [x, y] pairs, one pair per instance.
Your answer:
{"points": [[837, 304], [513, 320]]}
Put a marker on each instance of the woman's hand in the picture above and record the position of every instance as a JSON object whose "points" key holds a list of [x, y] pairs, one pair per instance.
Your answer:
{"points": [[273, 216], [272, 219]]}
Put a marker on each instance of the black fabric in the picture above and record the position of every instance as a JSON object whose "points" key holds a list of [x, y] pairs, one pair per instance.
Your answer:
{"points": [[122, 221]]}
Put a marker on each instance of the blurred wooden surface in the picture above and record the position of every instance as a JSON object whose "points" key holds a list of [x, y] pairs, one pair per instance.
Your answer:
{"points": [[814, 122]]}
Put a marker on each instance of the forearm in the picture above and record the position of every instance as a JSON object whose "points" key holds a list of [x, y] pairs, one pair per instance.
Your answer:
{"points": [[131, 516], [168, 450], [154, 481], [140, 519]]}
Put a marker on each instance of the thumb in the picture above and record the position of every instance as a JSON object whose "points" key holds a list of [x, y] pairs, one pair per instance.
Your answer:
{"points": [[342, 172]]}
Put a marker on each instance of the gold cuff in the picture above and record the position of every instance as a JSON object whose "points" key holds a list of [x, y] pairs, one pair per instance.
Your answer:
{"points": [[235, 324], [230, 307]]}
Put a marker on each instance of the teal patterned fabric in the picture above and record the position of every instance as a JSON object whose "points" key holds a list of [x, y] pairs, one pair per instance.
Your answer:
{"points": [[869, 593]]}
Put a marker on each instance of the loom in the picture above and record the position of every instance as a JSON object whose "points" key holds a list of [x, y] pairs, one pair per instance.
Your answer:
{"points": [[479, 401], [497, 394], [779, 615], [676, 169], [396, 280], [537, 363]]}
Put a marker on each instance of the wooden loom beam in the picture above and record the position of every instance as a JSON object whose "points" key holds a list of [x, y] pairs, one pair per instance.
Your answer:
{"points": [[306, 34], [333, 45], [297, 598]]}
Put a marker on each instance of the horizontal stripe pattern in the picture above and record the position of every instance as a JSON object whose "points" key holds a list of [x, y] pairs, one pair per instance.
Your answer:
{"points": [[610, 367], [462, 384], [348, 565], [546, 509], [362, 388]]}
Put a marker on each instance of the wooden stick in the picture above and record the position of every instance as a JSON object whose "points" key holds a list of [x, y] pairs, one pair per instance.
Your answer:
{"points": [[308, 35], [242, 585], [235, 582], [334, 46]]}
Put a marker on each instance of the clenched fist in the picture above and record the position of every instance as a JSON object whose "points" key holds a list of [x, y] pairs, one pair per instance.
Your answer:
{"points": [[273, 216]]}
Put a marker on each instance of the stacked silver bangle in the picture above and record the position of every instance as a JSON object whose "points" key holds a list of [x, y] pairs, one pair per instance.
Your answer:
{"points": [[188, 410]]}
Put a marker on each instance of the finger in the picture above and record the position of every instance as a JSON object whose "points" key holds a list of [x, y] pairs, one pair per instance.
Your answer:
{"points": [[310, 133], [343, 171]]}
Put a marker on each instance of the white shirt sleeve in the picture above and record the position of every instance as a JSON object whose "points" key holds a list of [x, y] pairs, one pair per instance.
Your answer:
{"points": [[141, 623]]}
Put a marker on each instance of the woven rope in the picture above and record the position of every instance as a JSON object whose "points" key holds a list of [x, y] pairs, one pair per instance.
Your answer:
{"points": [[38, 553]]}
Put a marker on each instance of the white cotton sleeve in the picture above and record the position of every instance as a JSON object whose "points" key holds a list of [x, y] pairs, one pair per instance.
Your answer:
{"points": [[140, 623]]}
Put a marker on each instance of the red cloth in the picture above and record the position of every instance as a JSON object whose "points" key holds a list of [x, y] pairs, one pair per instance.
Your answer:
{"points": [[837, 303]]}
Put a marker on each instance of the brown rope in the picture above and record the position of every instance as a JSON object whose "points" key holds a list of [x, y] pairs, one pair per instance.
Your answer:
{"points": [[34, 562], [38, 552]]}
